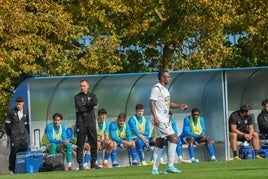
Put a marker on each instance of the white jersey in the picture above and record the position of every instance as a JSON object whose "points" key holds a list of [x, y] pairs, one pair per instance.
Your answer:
{"points": [[161, 96]]}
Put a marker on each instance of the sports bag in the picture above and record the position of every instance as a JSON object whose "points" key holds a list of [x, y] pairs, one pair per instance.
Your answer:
{"points": [[246, 152], [263, 151], [51, 163]]}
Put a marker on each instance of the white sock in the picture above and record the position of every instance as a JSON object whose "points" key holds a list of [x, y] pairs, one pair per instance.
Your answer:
{"points": [[213, 157], [171, 152], [157, 153]]}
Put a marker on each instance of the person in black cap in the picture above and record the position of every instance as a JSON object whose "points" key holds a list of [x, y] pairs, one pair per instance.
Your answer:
{"points": [[16, 128]]}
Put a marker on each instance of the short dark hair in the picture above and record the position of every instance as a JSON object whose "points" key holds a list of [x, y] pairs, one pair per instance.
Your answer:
{"points": [[122, 115], [195, 109], [19, 99], [102, 111], [57, 115], [139, 106], [84, 80], [245, 108], [264, 102], [160, 73], [170, 113]]}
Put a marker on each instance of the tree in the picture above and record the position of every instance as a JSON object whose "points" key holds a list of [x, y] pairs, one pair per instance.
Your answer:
{"points": [[250, 21], [44, 37], [185, 34]]}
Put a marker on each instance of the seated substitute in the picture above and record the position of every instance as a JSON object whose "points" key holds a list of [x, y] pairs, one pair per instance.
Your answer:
{"points": [[194, 131], [263, 120], [55, 139], [140, 130], [121, 134], [104, 141], [241, 129], [72, 136]]}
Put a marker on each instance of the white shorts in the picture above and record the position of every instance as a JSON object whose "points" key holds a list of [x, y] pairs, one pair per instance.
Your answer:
{"points": [[163, 130]]}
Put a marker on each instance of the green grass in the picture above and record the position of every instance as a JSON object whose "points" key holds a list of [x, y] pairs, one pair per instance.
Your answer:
{"points": [[222, 169]]}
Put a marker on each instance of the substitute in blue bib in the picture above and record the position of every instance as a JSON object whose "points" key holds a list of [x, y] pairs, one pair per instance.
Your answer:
{"points": [[104, 141], [121, 134], [194, 131], [140, 130], [55, 139]]}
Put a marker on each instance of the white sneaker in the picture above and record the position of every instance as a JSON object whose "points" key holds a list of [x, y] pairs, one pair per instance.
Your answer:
{"points": [[162, 161], [194, 160], [184, 161], [11, 172]]}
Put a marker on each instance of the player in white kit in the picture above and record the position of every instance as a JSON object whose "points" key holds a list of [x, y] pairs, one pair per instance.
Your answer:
{"points": [[160, 104]]}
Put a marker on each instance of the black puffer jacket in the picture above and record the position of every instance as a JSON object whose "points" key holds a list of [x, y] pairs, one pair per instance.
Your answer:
{"points": [[15, 128], [263, 122]]}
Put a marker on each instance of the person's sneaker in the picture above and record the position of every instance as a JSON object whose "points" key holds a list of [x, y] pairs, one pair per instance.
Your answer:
{"points": [[11, 172], [86, 167], [81, 167], [115, 165], [95, 166], [151, 162], [214, 160], [180, 159], [143, 163], [237, 158], [162, 172], [106, 165], [162, 161], [135, 163], [157, 172], [71, 167], [194, 160], [173, 169], [258, 157]]}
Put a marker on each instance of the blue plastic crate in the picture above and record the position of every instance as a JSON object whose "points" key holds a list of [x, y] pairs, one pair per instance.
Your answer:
{"points": [[28, 161]]}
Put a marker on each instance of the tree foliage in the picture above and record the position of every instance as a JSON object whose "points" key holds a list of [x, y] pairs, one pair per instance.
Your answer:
{"points": [[44, 37]]}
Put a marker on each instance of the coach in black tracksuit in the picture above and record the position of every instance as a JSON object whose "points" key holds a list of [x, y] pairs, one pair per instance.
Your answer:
{"points": [[16, 128], [85, 102]]}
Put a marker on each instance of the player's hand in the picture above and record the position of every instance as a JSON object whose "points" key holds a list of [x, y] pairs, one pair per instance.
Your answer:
{"points": [[65, 142], [184, 106], [201, 138], [144, 139]]}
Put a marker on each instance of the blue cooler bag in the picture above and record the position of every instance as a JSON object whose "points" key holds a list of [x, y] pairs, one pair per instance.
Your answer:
{"points": [[246, 152], [263, 151], [28, 161]]}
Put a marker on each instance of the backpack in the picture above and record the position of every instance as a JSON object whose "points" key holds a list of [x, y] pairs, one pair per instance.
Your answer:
{"points": [[263, 151], [246, 152], [51, 163]]}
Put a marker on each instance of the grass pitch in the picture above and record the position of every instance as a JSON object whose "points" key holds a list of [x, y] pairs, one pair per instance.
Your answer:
{"points": [[222, 169]]}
